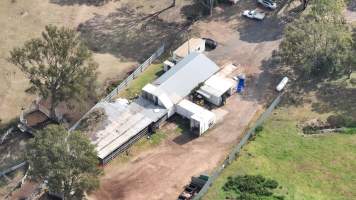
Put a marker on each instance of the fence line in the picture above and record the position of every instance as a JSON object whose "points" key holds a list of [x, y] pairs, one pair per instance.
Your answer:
{"points": [[134, 74], [236, 151], [124, 83]]}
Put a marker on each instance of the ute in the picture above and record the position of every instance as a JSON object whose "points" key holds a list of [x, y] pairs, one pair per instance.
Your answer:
{"points": [[268, 4], [254, 14]]}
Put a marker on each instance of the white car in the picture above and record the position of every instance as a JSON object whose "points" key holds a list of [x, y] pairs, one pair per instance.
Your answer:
{"points": [[234, 1], [254, 14], [268, 4]]}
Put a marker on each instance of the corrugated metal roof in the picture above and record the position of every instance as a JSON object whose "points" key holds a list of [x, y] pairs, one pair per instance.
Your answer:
{"points": [[217, 85], [181, 79], [122, 123], [189, 46]]}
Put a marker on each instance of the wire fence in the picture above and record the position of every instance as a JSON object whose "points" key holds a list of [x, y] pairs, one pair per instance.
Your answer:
{"points": [[134, 74], [236, 151]]}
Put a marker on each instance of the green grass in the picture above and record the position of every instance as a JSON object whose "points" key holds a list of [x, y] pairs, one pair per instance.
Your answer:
{"points": [[308, 168], [134, 88]]}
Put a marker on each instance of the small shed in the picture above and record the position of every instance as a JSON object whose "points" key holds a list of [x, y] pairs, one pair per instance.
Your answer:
{"points": [[200, 118], [216, 89], [193, 45]]}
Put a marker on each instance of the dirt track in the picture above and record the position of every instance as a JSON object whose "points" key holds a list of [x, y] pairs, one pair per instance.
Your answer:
{"points": [[161, 173]]}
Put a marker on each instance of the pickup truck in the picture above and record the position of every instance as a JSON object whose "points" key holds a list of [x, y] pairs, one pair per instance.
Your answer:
{"points": [[254, 14]]}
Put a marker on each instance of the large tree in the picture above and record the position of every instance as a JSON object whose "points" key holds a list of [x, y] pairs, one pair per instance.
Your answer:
{"points": [[320, 43], [67, 161], [58, 65]]}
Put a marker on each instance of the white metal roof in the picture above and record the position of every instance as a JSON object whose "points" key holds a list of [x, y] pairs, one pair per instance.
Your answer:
{"points": [[122, 123], [181, 79], [217, 85], [196, 110], [189, 47]]}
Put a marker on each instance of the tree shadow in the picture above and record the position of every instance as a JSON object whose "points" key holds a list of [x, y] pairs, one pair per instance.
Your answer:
{"points": [[261, 87], [130, 35], [352, 6], [80, 2], [335, 98], [194, 11], [270, 29]]}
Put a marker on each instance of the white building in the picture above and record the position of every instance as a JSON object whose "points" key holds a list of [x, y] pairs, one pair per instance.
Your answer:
{"points": [[194, 45], [218, 87], [124, 123]]}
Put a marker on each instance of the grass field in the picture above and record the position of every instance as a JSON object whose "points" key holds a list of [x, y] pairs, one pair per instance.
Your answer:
{"points": [[134, 88], [319, 167]]}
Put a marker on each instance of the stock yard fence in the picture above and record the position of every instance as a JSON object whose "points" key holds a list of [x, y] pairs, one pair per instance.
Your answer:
{"points": [[236, 150]]}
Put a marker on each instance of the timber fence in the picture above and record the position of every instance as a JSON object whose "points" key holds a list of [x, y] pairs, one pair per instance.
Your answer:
{"points": [[236, 150]]}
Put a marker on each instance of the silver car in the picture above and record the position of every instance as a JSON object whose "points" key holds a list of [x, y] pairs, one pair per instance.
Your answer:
{"points": [[268, 4]]}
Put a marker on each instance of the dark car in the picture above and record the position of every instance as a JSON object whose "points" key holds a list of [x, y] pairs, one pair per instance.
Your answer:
{"points": [[210, 43]]}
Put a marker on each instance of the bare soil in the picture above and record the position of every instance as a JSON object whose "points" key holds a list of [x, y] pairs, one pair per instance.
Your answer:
{"points": [[35, 118], [22, 20]]}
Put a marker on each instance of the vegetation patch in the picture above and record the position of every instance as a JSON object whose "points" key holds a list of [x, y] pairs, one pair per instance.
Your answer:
{"points": [[312, 168], [134, 87], [334, 123], [251, 187], [94, 121], [112, 85]]}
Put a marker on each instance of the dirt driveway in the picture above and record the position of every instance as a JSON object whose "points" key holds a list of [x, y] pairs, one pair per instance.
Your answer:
{"points": [[162, 172]]}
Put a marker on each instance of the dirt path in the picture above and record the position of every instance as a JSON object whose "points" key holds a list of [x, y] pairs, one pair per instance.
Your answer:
{"points": [[161, 173]]}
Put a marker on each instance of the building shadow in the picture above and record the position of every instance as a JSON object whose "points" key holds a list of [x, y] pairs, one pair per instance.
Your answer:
{"points": [[183, 127], [80, 2], [184, 138]]}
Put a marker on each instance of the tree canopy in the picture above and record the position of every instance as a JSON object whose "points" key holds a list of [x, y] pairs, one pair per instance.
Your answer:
{"points": [[67, 161], [250, 187], [58, 65], [319, 43]]}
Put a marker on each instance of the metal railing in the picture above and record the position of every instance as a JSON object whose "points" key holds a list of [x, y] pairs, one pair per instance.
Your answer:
{"points": [[236, 150], [134, 74]]}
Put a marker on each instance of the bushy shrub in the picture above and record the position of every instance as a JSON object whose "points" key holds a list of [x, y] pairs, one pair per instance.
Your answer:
{"points": [[251, 187]]}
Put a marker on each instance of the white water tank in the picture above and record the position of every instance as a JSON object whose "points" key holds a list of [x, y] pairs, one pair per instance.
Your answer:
{"points": [[282, 84]]}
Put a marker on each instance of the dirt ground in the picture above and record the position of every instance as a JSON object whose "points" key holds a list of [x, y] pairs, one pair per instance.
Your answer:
{"points": [[22, 20], [162, 172]]}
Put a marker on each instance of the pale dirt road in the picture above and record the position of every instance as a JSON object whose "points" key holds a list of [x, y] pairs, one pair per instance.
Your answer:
{"points": [[162, 172]]}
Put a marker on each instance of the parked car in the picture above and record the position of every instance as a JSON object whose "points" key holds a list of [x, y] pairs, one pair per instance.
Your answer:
{"points": [[210, 43], [254, 14], [234, 1], [268, 4]]}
